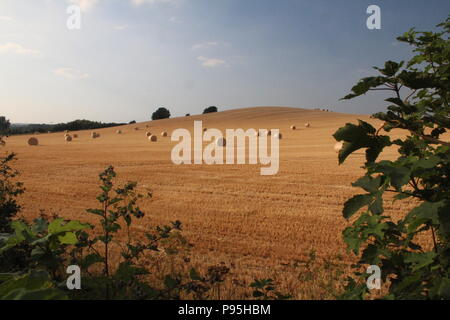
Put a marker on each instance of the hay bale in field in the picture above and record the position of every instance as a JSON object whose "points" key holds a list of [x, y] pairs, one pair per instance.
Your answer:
{"points": [[95, 135], [136, 128], [293, 127], [338, 146], [147, 126], [67, 131], [75, 135], [2, 142], [148, 134], [307, 125], [153, 138], [119, 131], [33, 141], [68, 138], [221, 142], [164, 134]]}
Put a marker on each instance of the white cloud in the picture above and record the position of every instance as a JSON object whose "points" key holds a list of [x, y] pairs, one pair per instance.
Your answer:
{"points": [[139, 2], [85, 5], [205, 45], [70, 73], [121, 27], [211, 62], [11, 47], [5, 18]]}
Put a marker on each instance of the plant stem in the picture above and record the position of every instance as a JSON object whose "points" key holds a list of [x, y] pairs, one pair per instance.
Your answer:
{"points": [[434, 239]]}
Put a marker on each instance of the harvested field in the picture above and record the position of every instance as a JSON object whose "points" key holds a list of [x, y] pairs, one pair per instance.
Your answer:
{"points": [[260, 226]]}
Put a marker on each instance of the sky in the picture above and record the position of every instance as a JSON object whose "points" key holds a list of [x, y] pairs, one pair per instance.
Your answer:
{"points": [[132, 56]]}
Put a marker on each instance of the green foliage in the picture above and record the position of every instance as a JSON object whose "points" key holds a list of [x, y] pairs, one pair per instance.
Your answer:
{"points": [[4, 126], [34, 285], [264, 289], [210, 109], [161, 113], [71, 126], [9, 191], [421, 172]]}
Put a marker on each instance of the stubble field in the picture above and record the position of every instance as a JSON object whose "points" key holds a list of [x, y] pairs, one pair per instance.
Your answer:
{"points": [[286, 227]]}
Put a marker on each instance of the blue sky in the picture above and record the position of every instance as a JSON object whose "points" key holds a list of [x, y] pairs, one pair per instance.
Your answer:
{"points": [[132, 56]]}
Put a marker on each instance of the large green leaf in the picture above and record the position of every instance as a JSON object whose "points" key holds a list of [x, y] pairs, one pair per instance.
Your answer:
{"points": [[352, 205], [368, 183], [426, 212], [58, 226]]}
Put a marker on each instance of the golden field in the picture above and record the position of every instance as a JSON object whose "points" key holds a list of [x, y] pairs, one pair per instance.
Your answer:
{"points": [[259, 226]]}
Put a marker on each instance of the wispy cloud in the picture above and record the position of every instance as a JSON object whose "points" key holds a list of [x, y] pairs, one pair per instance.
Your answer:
{"points": [[85, 5], [139, 2], [70, 73], [11, 47], [205, 45], [211, 62], [121, 27]]}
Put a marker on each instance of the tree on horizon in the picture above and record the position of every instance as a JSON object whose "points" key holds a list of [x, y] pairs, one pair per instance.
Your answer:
{"points": [[161, 113]]}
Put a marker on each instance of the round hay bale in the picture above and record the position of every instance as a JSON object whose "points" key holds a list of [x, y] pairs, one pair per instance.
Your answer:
{"points": [[221, 142], [68, 138], [153, 138], [278, 136], [148, 134], [95, 135], [2, 142], [75, 135], [307, 125], [293, 127], [164, 134], [119, 131], [33, 141], [338, 146], [67, 131]]}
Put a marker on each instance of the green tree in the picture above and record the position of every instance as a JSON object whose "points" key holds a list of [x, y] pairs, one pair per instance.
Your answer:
{"points": [[161, 113], [210, 110], [419, 105], [4, 126]]}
